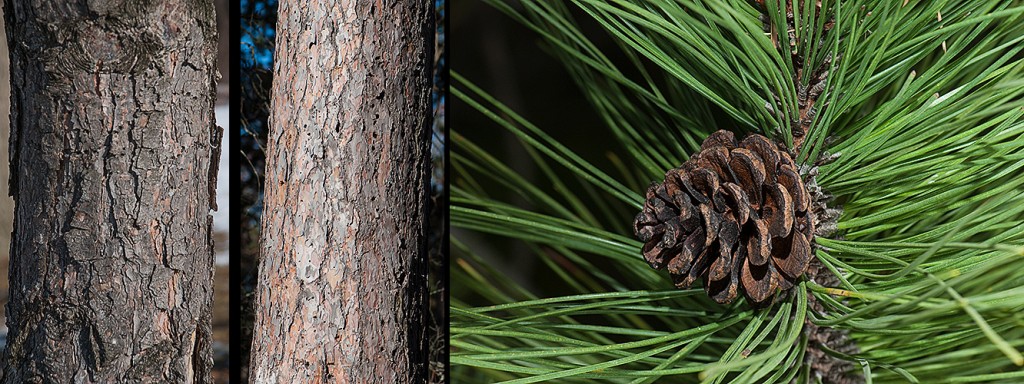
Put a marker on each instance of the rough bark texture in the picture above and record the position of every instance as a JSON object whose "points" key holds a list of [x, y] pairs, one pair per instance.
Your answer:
{"points": [[342, 291], [113, 162]]}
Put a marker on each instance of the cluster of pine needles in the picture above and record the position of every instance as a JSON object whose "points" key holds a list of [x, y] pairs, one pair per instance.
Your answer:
{"points": [[922, 102]]}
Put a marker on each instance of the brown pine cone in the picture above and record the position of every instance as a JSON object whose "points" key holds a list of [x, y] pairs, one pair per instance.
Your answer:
{"points": [[733, 215]]}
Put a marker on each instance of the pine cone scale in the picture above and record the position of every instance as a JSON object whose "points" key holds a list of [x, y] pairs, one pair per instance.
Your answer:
{"points": [[716, 159], [757, 281], [725, 290], [700, 265], [757, 243], [722, 266], [794, 261], [720, 138], [766, 152], [778, 211], [749, 173], [790, 178], [738, 200]]}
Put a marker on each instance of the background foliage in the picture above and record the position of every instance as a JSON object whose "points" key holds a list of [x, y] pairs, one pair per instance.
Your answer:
{"points": [[923, 104]]}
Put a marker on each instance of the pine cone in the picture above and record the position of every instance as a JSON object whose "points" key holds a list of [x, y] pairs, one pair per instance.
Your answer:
{"points": [[732, 215]]}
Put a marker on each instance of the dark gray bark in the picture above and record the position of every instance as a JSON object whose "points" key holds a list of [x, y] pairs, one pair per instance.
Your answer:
{"points": [[342, 290], [113, 162]]}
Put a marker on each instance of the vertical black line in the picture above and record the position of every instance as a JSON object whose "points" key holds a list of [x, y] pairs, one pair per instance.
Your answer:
{"points": [[445, 202], [235, 210]]}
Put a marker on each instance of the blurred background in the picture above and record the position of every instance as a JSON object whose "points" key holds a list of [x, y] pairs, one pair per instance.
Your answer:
{"points": [[221, 218], [259, 18], [512, 63]]}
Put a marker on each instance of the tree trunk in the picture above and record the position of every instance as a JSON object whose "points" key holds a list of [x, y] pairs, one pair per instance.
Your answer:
{"points": [[113, 162], [342, 291]]}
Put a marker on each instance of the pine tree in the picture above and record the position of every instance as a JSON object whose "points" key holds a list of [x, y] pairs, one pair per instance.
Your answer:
{"points": [[905, 121]]}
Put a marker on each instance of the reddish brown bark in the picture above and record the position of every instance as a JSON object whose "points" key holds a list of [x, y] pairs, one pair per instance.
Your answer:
{"points": [[342, 291], [113, 162]]}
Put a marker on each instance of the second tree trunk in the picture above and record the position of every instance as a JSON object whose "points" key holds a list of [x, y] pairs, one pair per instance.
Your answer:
{"points": [[342, 291]]}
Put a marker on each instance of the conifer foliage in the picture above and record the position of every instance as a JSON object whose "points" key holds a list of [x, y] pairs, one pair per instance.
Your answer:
{"points": [[904, 121]]}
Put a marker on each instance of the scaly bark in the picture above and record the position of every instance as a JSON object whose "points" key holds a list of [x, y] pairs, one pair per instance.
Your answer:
{"points": [[342, 291], [113, 162]]}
